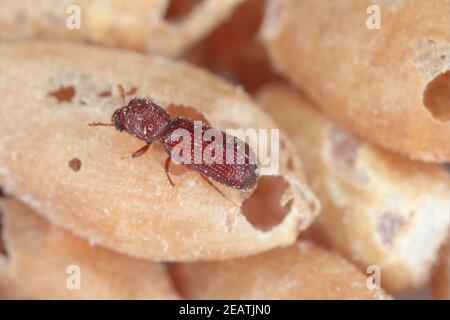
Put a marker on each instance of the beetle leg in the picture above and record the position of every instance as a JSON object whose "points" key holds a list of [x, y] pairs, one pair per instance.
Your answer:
{"points": [[166, 168], [141, 151], [217, 189], [96, 124]]}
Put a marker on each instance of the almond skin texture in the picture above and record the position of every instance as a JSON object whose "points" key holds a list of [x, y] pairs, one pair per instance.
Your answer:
{"points": [[301, 271], [379, 208], [44, 260], [390, 86], [158, 26]]}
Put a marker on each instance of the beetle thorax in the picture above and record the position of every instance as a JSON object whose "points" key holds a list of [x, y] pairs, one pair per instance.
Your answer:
{"points": [[143, 119]]}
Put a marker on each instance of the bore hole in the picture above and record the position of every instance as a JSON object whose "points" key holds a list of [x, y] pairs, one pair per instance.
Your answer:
{"points": [[180, 9], [63, 94], [187, 112], [263, 209], [75, 164], [437, 97]]}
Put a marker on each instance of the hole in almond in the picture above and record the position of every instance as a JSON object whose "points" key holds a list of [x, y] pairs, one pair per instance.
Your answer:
{"points": [[75, 164], [437, 97], [2, 193], [263, 208], [176, 110], [180, 9], [63, 94]]}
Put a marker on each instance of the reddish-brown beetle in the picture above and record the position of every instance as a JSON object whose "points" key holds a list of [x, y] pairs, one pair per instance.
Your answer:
{"points": [[148, 122]]}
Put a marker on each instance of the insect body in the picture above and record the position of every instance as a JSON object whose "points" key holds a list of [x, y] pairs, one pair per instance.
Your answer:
{"points": [[147, 121], [240, 175]]}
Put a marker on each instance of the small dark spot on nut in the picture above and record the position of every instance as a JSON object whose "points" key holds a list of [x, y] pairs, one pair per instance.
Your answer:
{"points": [[75, 164], [104, 94], [63, 94]]}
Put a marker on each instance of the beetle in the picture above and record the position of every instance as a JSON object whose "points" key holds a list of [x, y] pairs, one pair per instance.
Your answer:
{"points": [[147, 121]]}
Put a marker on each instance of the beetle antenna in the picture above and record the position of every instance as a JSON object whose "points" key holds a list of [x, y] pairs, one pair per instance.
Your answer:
{"points": [[95, 124], [122, 93], [218, 190]]}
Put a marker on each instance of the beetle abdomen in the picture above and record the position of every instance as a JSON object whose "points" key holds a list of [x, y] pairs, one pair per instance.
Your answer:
{"points": [[224, 158]]}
